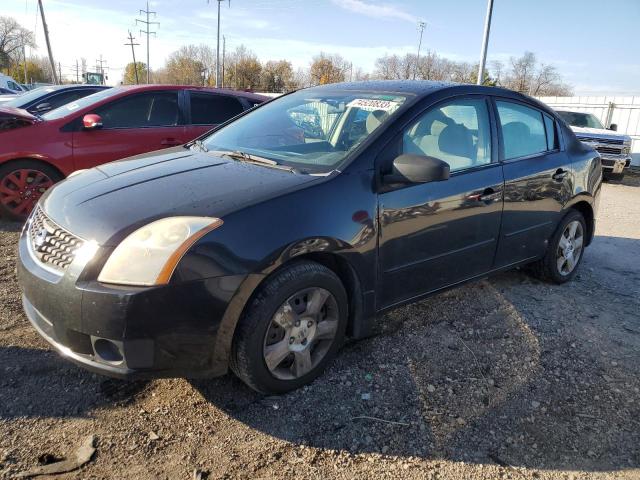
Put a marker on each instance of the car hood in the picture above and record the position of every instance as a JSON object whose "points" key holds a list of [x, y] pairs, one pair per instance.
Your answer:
{"points": [[17, 113], [598, 133], [108, 202]]}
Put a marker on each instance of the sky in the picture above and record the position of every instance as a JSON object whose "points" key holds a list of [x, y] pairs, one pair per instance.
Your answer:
{"points": [[593, 43]]}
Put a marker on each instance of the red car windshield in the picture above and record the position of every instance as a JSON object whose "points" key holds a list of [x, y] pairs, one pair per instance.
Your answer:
{"points": [[81, 103]]}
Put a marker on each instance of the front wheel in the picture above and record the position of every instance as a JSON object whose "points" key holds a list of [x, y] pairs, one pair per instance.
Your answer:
{"points": [[291, 329], [565, 250], [22, 183]]}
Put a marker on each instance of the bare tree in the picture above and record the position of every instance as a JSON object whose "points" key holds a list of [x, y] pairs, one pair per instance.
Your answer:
{"points": [[242, 69], [277, 76], [13, 38], [184, 68], [497, 70], [525, 75]]}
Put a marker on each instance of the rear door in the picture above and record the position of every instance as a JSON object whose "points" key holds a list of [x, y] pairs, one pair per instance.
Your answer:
{"points": [[138, 123], [538, 178], [433, 235], [207, 110]]}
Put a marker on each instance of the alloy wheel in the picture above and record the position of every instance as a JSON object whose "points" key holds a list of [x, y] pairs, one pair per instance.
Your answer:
{"points": [[570, 247], [301, 333], [21, 189]]}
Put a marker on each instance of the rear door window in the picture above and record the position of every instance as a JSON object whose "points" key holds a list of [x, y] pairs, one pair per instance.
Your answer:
{"points": [[212, 109], [523, 130], [153, 109]]}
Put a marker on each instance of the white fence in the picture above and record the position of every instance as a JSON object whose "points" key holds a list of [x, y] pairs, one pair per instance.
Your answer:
{"points": [[623, 111]]}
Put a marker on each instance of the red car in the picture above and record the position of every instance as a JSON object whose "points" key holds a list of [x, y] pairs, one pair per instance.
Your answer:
{"points": [[37, 151]]}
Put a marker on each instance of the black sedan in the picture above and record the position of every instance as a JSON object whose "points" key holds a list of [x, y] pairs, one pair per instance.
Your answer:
{"points": [[43, 99], [262, 245]]}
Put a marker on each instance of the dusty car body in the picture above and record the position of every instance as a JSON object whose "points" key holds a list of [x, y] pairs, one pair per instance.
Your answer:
{"points": [[383, 226]]}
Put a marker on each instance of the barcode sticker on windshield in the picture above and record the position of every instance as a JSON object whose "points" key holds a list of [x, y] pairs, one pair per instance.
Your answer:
{"points": [[371, 104]]}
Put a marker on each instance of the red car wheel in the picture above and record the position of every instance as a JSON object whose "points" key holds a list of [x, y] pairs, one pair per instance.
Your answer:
{"points": [[21, 188]]}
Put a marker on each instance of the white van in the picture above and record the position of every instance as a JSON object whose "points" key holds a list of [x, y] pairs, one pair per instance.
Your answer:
{"points": [[10, 84]]}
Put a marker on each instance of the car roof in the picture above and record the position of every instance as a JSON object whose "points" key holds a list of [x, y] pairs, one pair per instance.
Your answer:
{"points": [[227, 91]]}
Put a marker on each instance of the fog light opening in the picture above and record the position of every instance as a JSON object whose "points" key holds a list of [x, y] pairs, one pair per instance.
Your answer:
{"points": [[107, 351]]}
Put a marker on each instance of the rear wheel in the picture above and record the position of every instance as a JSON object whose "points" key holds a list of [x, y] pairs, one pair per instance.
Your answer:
{"points": [[291, 330], [22, 183], [565, 250]]}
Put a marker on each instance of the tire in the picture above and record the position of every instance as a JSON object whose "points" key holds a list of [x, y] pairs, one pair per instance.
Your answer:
{"points": [[550, 267], [260, 335], [29, 179]]}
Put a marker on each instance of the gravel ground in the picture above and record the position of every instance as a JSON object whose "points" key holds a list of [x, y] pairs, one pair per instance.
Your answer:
{"points": [[503, 378]]}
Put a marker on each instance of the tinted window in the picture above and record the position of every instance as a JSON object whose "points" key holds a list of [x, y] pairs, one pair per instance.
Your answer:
{"points": [[210, 109], [522, 130], [14, 86], [143, 110], [550, 127], [456, 132]]}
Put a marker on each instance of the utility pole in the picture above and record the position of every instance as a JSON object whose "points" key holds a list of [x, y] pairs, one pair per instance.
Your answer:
{"points": [[485, 42], [46, 37], [421, 26], [133, 54], [218, 79], [148, 24], [24, 57], [101, 68], [60, 73], [77, 72], [224, 50]]}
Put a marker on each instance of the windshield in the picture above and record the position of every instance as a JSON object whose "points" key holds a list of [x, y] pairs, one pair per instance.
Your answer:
{"points": [[583, 120], [308, 131], [79, 104]]}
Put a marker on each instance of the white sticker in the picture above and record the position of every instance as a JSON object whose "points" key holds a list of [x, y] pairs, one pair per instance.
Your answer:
{"points": [[370, 104], [72, 106]]}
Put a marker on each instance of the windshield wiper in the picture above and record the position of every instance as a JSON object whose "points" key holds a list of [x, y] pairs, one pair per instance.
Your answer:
{"points": [[255, 159]]}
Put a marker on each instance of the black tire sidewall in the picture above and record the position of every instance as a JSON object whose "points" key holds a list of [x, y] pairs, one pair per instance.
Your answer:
{"points": [[260, 314], [552, 264]]}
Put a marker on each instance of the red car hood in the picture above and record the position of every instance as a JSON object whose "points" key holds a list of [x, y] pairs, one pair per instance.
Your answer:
{"points": [[17, 114]]}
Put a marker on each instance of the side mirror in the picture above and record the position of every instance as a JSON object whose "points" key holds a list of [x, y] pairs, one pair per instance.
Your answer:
{"points": [[43, 107], [91, 121], [409, 168], [614, 127]]}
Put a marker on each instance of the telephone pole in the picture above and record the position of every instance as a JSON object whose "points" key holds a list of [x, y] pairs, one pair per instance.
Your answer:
{"points": [[46, 37], [421, 26], [147, 32], [60, 73], [485, 42], [218, 79], [101, 67], [77, 72], [224, 50], [24, 66], [133, 54]]}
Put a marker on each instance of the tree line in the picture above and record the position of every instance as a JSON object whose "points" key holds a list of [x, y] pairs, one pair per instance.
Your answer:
{"points": [[243, 70]]}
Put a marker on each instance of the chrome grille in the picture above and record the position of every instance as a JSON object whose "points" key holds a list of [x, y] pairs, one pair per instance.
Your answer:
{"points": [[608, 141], [51, 244]]}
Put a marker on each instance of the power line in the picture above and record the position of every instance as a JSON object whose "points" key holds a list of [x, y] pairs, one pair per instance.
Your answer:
{"points": [[421, 26], [133, 54], [148, 24]]}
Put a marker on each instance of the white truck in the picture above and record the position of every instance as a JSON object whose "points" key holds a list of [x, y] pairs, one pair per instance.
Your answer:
{"points": [[614, 148], [10, 84]]}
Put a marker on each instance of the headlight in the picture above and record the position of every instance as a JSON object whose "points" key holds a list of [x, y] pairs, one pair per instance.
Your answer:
{"points": [[150, 254]]}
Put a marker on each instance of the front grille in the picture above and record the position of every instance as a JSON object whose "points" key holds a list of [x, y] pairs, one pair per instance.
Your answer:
{"points": [[609, 150], [51, 244], [608, 141]]}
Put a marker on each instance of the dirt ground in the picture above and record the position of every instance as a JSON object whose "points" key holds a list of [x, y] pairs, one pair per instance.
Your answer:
{"points": [[504, 378]]}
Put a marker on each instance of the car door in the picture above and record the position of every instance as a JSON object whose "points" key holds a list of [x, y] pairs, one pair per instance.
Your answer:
{"points": [[538, 179], [208, 109], [138, 123], [437, 234]]}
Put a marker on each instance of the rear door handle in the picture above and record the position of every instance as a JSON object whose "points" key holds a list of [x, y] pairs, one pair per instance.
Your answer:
{"points": [[170, 142], [559, 175]]}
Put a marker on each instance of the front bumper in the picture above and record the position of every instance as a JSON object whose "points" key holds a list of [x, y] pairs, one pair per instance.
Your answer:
{"points": [[615, 165], [172, 330]]}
